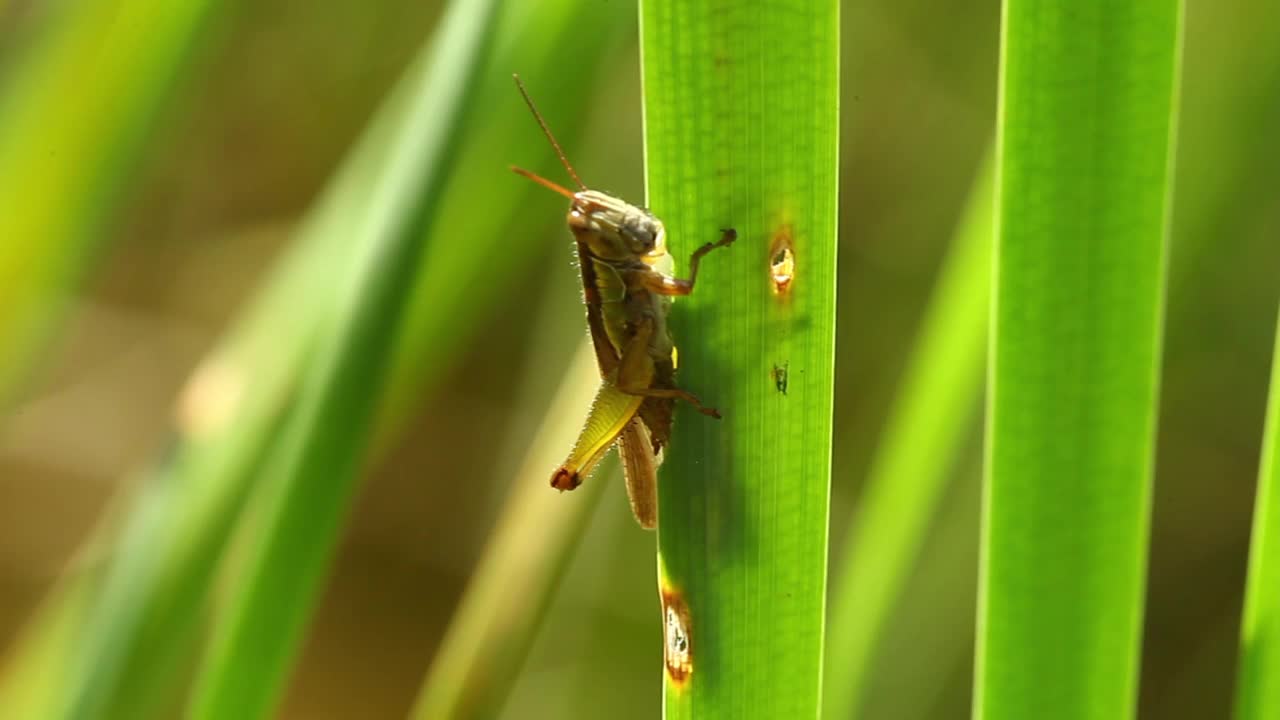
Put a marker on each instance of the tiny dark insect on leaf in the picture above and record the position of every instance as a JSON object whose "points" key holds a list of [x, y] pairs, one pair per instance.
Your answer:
{"points": [[780, 377]]}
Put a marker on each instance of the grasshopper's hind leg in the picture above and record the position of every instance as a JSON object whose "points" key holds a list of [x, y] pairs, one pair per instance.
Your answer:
{"points": [[636, 372]]}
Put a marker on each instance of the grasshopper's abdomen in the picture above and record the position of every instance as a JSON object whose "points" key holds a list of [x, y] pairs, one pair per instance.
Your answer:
{"points": [[626, 305]]}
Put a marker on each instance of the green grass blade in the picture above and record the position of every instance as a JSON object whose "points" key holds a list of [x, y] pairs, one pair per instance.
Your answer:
{"points": [[323, 444], [1086, 117], [741, 131], [934, 410], [1258, 685], [77, 103]]}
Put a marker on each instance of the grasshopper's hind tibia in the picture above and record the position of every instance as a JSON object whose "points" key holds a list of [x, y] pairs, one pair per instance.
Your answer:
{"points": [[639, 469]]}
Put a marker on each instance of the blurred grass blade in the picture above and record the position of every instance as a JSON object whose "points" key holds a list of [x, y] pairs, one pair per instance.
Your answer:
{"points": [[740, 134], [130, 653], [489, 636], [1258, 685], [322, 447], [1085, 127], [30, 687], [933, 412], [140, 630], [75, 110], [1219, 154]]}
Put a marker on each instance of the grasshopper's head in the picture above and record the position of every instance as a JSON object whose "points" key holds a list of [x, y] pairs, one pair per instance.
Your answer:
{"points": [[610, 228], [613, 229]]}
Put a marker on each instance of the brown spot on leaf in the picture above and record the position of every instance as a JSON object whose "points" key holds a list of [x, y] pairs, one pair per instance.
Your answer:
{"points": [[782, 260], [677, 642]]}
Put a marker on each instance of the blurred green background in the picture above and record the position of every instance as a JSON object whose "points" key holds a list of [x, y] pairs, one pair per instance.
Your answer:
{"points": [[277, 92]]}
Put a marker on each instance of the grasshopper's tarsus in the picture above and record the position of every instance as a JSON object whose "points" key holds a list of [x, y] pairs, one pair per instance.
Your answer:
{"points": [[565, 479], [727, 236], [664, 285]]}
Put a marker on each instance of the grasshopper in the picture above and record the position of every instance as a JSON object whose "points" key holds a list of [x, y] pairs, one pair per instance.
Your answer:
{"points": [[628, 282]]}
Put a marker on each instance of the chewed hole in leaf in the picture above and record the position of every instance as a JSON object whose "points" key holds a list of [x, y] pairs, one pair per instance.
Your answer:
{"points": [[782, 260]]}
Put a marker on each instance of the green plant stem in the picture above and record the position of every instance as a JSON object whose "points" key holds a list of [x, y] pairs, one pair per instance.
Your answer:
{"points": [[741, 131], [1085, 126]]}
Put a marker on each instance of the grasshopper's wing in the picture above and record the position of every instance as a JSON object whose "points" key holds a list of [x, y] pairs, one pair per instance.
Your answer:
{"points": [[640, 469], [606, 353], [611, 413]]}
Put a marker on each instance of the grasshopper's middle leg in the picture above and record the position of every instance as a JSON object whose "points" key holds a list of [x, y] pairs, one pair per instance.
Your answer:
{"points": [[636, 372]]}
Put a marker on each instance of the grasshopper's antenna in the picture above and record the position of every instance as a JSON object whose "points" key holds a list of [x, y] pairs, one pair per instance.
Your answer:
{"points": [[543, 182], [547, 131]]}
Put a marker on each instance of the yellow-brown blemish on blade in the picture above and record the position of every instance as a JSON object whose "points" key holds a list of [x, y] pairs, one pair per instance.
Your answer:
{"points": [[677, 645], [782, 260]]}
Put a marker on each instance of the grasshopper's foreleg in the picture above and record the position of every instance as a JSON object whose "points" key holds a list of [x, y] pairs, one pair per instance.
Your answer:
{"points": [[636, 372], [726, 239], [664, 285]]}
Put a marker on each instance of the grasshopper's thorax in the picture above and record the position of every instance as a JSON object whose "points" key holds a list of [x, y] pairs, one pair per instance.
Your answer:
{"points": [[624, 245], [616, 231]]}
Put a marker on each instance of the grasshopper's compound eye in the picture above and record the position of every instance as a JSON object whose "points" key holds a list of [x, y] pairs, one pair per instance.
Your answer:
{"points": [[642, 232], [565, 479]]}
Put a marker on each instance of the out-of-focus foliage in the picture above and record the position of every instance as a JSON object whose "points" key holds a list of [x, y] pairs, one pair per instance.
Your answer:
{"points": [[1258, 688], [924, 434], [77, 97], [1082, 212]]}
